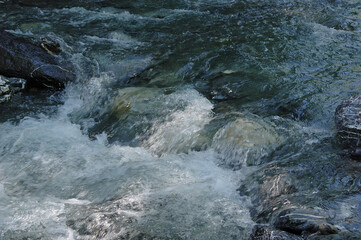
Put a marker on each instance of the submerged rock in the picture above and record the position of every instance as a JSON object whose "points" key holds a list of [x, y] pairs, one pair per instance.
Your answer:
{"points": [[114, 219], [21, 58], [348, 123], [246, 141]]}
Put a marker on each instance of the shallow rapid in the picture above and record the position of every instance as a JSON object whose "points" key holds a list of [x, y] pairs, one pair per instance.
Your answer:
{"points": [[188, 120]]}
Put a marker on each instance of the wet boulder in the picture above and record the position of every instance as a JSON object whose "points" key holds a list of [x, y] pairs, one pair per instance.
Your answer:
{"points": [[348, 123], [265, 233], [246, 141], [305, 221], [21, 58], [269, 194]]}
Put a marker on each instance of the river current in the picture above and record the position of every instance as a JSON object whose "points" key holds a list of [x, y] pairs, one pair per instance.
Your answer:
{"points": [[180, 112]]}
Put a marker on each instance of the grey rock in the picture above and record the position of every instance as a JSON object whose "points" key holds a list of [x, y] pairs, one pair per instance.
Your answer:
{"points": [[341, 236], [265, 233], [21, 58], [348, 123], [109, 220], [305, 221]]}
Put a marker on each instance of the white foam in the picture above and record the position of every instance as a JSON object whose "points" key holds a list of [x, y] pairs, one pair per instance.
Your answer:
{"points": [[52, 158], [48, 166], [180, 131], [75, 201], [80, 16]]}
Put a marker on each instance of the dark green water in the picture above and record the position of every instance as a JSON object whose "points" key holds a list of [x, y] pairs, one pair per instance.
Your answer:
{"points": [[183, 114]]}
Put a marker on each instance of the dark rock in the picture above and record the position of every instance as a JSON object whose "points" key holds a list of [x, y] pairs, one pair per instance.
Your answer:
{"points": [[341, 236], [304, 221], [281, 197], [265, 233], [348, 123], [275, 186], [21, 58], [271, 188], [326, 229]]}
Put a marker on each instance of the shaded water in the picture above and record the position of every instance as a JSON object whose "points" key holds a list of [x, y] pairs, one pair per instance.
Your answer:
{"points": [[184, 114]]}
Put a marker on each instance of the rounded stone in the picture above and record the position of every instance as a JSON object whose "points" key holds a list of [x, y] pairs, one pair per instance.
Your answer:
{"points": [[247, 140]]}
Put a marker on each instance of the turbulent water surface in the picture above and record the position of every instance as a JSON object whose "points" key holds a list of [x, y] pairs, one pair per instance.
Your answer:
{"points": [[184, 118]]}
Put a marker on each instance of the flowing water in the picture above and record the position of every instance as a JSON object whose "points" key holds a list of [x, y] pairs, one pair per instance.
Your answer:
{"points": [[180, 107]]}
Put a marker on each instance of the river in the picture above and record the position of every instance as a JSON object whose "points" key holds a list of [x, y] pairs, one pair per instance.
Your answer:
{"points": [[184, 119]]}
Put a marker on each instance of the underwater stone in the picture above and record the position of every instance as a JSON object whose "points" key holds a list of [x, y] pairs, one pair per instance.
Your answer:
{"points": [[247, 140]]}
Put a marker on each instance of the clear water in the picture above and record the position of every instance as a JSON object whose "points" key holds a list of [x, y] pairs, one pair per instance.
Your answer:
{"points": [[177, 105]]}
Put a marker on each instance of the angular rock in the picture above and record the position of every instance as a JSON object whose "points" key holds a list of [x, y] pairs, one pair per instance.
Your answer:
{"points": [[21, 58], [348, 123], [276, 186], [115, 219], [340, 236], [265, 233], [348, 119], [304, 221]]}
